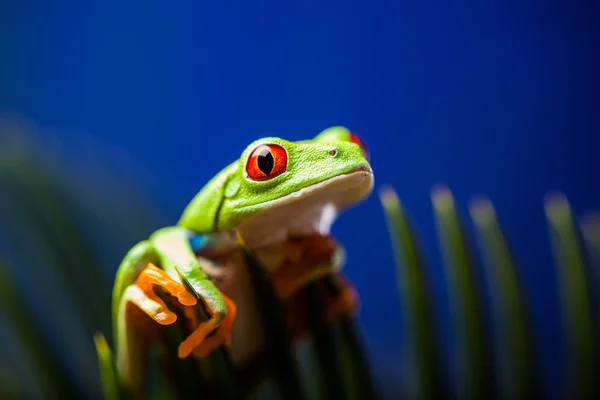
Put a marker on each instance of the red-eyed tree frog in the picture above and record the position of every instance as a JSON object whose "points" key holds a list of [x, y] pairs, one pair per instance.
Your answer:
{"points": [[275, 192]]}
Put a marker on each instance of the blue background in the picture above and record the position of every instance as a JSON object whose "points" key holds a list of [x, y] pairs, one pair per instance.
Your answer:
{"points": [[502, 99]]}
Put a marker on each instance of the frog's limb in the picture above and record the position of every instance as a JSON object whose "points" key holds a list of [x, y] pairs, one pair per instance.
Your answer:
{"points": [[132, 265], [177, 258], [132, 347], [152, 304], [152, 275], [131, 352], [325, 258], [339, 297], [222, 335], [288, 281]]}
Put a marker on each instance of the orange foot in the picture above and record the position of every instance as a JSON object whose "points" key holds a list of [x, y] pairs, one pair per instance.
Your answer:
{"points": [[199, 342], [151, 276], [208, 335]]}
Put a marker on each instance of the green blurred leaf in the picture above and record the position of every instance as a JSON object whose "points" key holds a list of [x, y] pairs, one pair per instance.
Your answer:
{"points": [[106, 364], [513, 330], [582, 366], [330, 379], [421, 346], [38, 191], [48, 368], [354, 365], [476, 373], [590, 227]]}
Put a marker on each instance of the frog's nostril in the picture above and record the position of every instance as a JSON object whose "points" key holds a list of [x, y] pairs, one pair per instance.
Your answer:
{"points": [[333, 151]]}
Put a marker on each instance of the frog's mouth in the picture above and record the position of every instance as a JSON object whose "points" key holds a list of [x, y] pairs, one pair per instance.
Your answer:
{"points": [[310, 210]]}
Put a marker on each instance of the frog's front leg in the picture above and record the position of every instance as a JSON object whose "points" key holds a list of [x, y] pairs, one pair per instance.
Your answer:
{"points": [[176, 256], [320, 257], [320, 263], [139, 299]]}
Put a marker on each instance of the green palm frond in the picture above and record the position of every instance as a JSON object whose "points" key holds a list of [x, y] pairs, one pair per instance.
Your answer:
{"points": [[421, 347], [518, 367], [513, 369], [47, 366], [56, 281], [574, 288], [106, 364]]}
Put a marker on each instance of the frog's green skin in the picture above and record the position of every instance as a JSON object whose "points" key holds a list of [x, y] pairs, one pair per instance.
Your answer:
{"points": [[323, 176]]}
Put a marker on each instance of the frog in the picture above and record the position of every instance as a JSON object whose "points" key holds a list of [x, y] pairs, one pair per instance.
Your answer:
{"points": [[276, 191]]}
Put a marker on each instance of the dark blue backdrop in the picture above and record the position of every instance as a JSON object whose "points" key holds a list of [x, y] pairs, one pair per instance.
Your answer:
{"points": [[500, 99]]}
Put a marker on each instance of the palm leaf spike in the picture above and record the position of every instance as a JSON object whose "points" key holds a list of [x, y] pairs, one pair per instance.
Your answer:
{"points": [[582, 368], [344, 373], [515, 352], [363, 385], [36, 181], [420, 346], [355, 366], [274, 328], [106, 364], [475, 371], [330, 378], [590, 228]]}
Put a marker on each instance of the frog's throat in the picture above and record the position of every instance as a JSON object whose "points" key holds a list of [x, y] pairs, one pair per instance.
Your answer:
{"points": [[310, 210]]}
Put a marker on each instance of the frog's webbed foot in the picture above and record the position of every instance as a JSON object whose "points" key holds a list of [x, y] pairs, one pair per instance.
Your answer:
{"points": [[200, 342], [143, 295]]}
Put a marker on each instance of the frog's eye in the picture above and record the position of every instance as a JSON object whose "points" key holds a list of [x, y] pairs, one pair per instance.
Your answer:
{"points": [[354, 138], [266, 162]]}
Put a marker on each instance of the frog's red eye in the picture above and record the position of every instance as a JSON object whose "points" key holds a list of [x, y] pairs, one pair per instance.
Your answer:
{"points": [[266, 162], [354, 138]]}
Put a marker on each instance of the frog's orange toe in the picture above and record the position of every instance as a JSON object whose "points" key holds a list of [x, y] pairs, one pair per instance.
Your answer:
{"points": [[200, 344], [154, 276], [186, 298], [152, 304], [222, 336], [198, 336], [165, 318]]}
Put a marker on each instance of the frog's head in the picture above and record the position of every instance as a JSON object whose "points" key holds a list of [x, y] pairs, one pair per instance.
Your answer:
{"points": [[284, 188]]}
